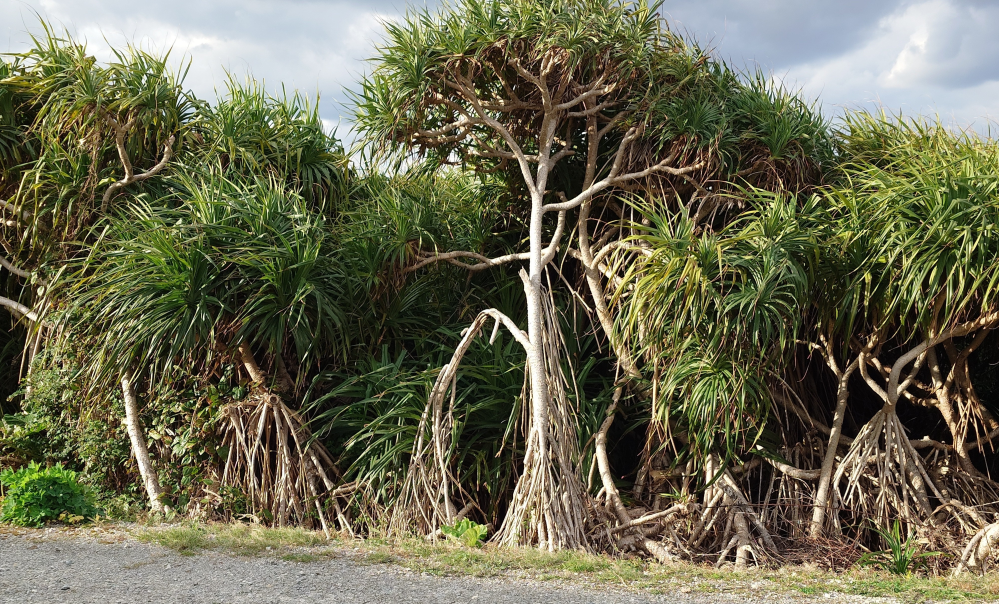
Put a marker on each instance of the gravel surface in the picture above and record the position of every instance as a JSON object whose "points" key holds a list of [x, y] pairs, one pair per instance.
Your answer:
{"points": [[38, 567]]}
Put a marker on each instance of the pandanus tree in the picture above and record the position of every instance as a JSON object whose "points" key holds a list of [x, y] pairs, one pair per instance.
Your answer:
{"points": [[888, 277], [237, 270], [716, 317], [229, 260], [574, 102], [917, 213], [527, 87], [95, 131], [104, 140]]}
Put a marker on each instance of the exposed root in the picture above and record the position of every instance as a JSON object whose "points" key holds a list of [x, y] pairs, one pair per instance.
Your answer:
{"points": [[743, 531], [980, 550], [637, 534], [273, 461], [426, 501], [549, 507], [792, 487], [886, 477]]}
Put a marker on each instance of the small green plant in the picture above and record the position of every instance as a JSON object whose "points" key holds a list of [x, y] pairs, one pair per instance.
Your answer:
{"points": [[37, 495], [902, 556], [467, 532]]}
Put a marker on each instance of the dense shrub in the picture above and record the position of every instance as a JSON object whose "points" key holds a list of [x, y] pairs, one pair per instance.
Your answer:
{"points": [[37, 495]]}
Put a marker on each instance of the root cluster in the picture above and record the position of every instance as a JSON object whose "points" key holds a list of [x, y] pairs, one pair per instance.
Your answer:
{"points": [[274, 462]]}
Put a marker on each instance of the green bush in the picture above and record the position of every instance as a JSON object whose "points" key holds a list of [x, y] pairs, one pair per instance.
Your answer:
{"points": [[58, 424], [36, 495], [466, 532]]}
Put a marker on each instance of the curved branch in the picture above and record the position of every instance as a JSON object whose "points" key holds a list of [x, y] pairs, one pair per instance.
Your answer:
{"points": [[5, 204], [870, 381], [130, 176], [453, 258], [519, 334], [613, 179], [670, 511], [486, 262], [894, 389], [7, 264], [794, 472], [548, 253], [19, 309]]}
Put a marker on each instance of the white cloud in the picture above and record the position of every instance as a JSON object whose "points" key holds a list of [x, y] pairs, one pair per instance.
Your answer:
{"points": [[931, 57], [919, 56], [312, 46]]}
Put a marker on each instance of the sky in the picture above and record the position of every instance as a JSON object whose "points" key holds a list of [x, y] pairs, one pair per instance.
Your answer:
{"points": [[933, 57]]}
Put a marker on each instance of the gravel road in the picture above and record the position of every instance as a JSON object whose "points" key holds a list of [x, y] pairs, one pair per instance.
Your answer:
{"points": [[36, 567]]}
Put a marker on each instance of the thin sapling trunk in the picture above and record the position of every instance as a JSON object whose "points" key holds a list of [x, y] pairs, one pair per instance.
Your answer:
{"points": [[138, 439]]}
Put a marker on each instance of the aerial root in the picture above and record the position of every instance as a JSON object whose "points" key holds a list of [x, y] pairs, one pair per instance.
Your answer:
{"points": [[899, 485], [550, 507], [425, 503], [982, 548], [271, 458], [727, 504]]}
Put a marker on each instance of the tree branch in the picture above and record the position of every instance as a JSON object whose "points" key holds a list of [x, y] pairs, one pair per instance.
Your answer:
{"points": [[19, 309], [452, 258], [468, 91], [548, 253], [613, 178], [794, 472], [519, 334], [130, 176], [5, 204], [487, 262], [955, 332], [7, 264]]}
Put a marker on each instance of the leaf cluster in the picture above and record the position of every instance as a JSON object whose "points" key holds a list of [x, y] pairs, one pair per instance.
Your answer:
{"points": [[716, 315], [66, 105], [251, 131], [915, 215], [37, 495], [467, 532], [439, 72], [230, 262], [902, 556]]}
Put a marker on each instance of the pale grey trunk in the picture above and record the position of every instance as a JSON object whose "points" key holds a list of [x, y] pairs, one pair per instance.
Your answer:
{"points": [[532, 289], [825, 478], [535, 358], [138, 438]]}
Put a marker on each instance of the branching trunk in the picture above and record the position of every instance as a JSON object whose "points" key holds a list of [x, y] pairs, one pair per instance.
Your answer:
{"points": [[823, 498], [547, 507], [121, 134]]}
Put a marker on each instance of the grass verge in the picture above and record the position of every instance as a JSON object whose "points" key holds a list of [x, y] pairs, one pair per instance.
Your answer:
{"points": [[445, 558], [238, 539]]}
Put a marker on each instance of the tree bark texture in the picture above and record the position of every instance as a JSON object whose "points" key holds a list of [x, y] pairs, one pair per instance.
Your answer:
{"points": [[138, 438]]}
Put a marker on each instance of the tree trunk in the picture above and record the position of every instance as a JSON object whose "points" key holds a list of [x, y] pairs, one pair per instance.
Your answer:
{"points": [[822, 498], [548, 504], [138, 438], [535, 356]]}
